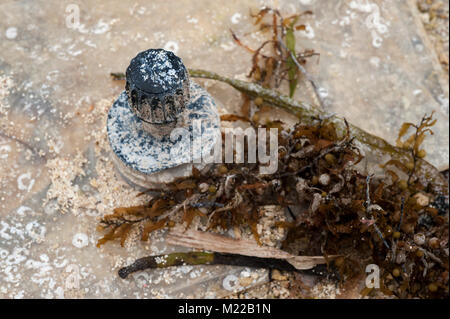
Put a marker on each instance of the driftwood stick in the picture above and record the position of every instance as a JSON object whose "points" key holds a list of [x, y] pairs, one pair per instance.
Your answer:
{"points": [[211, 258], [225, 251], [222, 250], [222, 244]]}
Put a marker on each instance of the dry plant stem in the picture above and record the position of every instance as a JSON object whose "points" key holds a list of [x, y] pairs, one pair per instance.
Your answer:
{"points": [[308, 114]]}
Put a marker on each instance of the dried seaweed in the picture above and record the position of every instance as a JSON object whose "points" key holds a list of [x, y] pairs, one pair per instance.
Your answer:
{"points": [[412, 145], [363, 217], [277, 59]]}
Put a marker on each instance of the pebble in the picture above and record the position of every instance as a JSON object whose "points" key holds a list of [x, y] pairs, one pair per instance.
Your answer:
{"points": [[419, 239], [246, 281], [203, 187], [434, 243], [276, 275], [324, 179], [11, 33], [401, 257], [422, 199]]}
